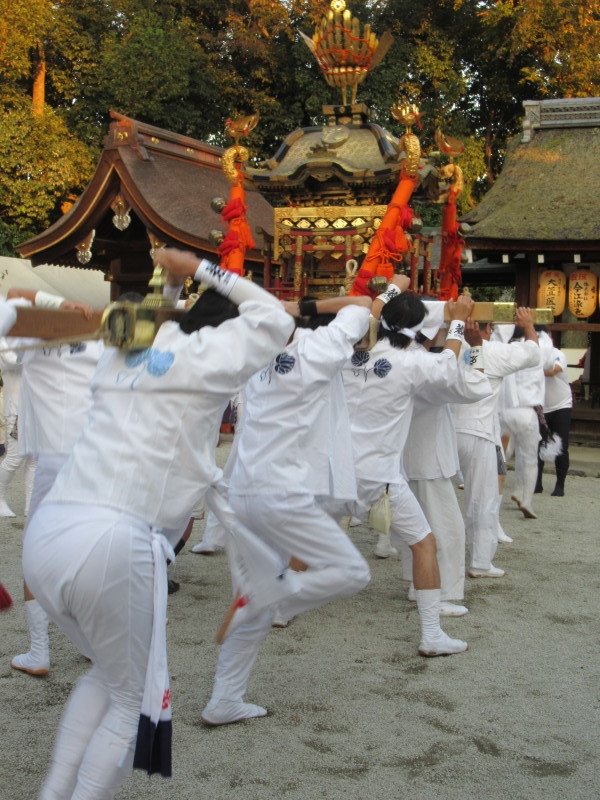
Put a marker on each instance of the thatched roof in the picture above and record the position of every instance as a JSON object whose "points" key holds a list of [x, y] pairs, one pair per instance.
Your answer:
{"points": [[549, 190]]}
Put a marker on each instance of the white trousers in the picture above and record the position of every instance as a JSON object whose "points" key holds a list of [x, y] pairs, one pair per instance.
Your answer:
{"points": [[11, 463], [91, 569], [524, 429], [479, 466], [214, 534], [292, 524], [438, 500], [409, 523]]}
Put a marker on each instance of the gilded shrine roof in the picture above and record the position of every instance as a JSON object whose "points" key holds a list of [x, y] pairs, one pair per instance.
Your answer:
{"points": [[348, 161]]}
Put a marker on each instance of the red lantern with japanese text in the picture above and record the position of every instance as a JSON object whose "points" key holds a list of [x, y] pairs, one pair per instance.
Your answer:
{"points": [[583, 293], [552, 291]]}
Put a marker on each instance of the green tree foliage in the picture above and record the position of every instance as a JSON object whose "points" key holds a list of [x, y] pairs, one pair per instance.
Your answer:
{"points": [[187, 65], [41, 163], [560, 38], [23, 23]]}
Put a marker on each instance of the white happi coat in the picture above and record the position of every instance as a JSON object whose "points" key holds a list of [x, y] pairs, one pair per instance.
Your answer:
{"points": [[11, 365], [430, 461], [499, 359], [163, 406], [296, 434], [56, 396], [558, 390], [431, 450], [380, 386], [526, 387]]}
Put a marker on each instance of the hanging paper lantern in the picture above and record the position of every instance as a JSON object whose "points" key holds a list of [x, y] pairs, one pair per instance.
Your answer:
{"points": [[583, 293], [552, 291]]}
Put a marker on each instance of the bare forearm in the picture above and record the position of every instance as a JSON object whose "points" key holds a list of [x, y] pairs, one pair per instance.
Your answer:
{"points": [[27, 294], [331, 305]]}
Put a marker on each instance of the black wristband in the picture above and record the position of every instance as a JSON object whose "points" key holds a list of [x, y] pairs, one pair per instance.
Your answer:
{"points": [[308, 308]]}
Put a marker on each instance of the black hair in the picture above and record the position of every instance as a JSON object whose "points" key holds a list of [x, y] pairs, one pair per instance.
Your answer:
{"points": [[541, 328], [519, 333], [403, 311], [211, 309]]}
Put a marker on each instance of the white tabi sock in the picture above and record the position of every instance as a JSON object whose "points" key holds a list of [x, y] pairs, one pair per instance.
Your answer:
{"points": [[428, 603]]}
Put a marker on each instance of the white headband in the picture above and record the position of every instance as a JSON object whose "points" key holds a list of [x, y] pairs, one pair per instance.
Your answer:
{"points": [[410, 332]]}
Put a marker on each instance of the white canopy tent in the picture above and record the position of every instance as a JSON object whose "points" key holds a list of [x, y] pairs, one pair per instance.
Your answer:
{"points": [[72, 283]]}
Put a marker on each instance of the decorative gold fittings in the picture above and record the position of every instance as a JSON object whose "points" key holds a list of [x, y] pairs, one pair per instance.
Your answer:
{"points": [[122, 218], [84, 248], [155, 244], [232, 156], [452, 148]]}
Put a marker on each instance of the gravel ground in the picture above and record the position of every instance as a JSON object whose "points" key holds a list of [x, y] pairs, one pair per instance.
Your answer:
{"points": [[356, 712]]}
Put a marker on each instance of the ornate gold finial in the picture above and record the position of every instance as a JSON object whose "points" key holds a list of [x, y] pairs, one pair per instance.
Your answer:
{"points": [[236, 128], [447, 144], [241, 126], [452, 148], [344, 55], [408, 114]]}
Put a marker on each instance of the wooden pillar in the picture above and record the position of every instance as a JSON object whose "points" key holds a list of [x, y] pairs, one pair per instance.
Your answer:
{"points": [[523, 281], [427, 266], [595, 359], [298, 267], [414, 265], [534, 272]]}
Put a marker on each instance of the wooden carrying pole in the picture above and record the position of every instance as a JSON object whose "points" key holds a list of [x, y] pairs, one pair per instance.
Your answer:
{"points": [[504, 313], [43, 323]]}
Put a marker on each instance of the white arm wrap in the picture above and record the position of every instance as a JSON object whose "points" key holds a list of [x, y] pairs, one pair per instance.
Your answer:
{"points": [[474, 357], [47, 300], [389, 294], [456, 330], [216, 278], [229, 285]]}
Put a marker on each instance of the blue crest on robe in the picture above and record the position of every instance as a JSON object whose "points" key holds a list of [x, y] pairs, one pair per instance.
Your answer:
{"points": [[381, 367], [156, 362], [360, 358], [284, 363]]}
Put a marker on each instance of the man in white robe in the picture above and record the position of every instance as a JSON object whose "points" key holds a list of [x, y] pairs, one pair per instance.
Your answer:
{"points": [[523, 391], [143, 462], [293, 455], [380, 386], [11, 365], [54, 403], [478, 437], [430, 463]]}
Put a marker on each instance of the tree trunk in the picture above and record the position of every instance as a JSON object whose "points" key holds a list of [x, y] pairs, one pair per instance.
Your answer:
{"points": [[39, 80]]}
